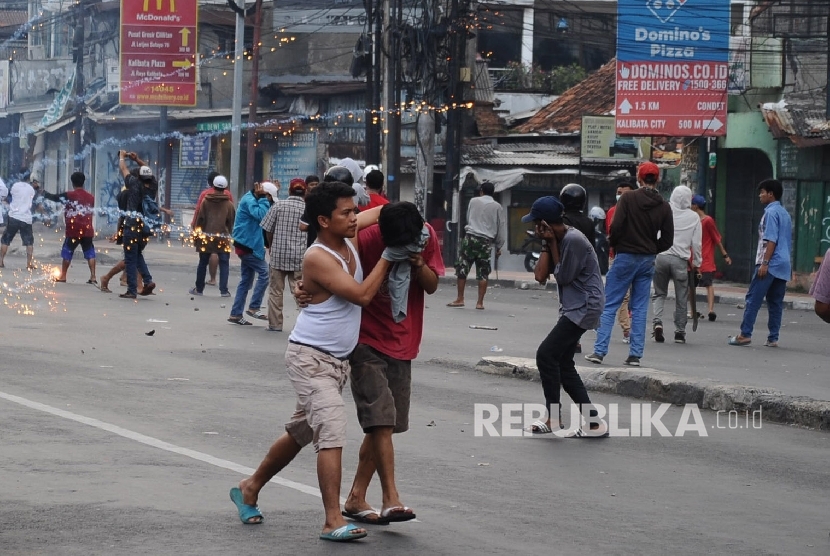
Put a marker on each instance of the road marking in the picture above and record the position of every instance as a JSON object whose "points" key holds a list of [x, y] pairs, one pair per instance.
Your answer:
{"points": [[156, 443]]}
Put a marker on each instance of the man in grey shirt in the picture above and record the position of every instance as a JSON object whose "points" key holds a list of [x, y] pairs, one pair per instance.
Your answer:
{"points": [[568, 254], [486, 227]]}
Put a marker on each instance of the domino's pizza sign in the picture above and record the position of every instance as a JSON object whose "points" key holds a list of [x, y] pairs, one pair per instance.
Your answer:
{"points": [[672, 67]]}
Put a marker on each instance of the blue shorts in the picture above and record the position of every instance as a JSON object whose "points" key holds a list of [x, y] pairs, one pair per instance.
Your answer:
{"points": [[15, 226], [70, 243]]}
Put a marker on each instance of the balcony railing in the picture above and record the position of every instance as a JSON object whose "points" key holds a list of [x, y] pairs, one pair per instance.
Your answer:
{"points": [[520, 78]]}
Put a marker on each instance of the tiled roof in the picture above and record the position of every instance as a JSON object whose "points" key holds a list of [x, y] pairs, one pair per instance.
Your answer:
{"points": [[592, 97], [799, 117], [13, 18]]}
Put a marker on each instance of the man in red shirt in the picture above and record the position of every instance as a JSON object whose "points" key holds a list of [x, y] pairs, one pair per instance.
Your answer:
{"points": [[374, 187], [711, 238], [213, 263], [77, 212], [382, 361], [622, 315]]}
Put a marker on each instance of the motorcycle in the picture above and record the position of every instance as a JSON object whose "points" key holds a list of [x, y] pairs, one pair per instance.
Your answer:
{"points": [[532, 247]]}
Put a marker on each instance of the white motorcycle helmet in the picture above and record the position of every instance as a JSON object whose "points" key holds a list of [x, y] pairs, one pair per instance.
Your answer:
{"points": [[596, 213]]}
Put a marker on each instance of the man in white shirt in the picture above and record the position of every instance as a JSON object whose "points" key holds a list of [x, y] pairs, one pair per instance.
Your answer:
{"points": [[20, 220], [486, 227]]}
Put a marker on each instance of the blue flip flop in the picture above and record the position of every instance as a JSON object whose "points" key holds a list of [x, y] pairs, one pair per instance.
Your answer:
{"points": [[343, 534], [246, 511]]}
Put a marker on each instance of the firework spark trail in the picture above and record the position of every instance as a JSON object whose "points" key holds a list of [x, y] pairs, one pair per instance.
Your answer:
{"points": [[30, 290]]}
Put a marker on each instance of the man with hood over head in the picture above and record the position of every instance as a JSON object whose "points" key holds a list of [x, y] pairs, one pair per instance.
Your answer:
{"points": [[673, 264]]}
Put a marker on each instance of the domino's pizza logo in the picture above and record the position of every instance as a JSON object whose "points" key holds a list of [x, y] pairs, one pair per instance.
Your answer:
{"points": [[664, 10]]}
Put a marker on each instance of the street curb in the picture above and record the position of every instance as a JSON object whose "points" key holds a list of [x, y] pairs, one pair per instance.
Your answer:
{"points": [[531, 284], [645, 383]]}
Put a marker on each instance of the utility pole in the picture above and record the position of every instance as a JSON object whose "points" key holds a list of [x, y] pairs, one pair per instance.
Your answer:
{"points": [[251, 134], [372, 142], [79, 45], [373, 155], [455, 123], [392, 12], [827, 90], [236, 118], [425, 159]]}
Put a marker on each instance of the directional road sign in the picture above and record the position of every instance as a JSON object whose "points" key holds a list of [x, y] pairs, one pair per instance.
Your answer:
{"points": [[672, 67], [158, 52]]}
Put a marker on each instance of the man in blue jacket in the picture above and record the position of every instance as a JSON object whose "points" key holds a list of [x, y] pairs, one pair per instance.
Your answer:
{"points": [[249, 244]]}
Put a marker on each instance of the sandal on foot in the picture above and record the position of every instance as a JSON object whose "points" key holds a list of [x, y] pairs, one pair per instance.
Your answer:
{"points": [[344, 534], [247, 512], [540, 427], [455, 304], [363, 517], [396, 514], [734, 341], [93, 282], [258, 314], [580, 433]]}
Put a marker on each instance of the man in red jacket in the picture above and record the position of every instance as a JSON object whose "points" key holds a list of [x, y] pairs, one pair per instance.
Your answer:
{"points": [[77, 212]]}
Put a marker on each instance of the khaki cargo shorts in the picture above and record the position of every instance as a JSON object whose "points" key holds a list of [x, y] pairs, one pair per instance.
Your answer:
{"points": [[320, 415]]}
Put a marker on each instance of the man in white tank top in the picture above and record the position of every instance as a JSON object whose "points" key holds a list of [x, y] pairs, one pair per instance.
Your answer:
{"points": [[317, 356]]}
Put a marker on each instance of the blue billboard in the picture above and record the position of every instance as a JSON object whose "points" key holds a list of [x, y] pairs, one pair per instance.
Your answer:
{"points": [[673, 30]]}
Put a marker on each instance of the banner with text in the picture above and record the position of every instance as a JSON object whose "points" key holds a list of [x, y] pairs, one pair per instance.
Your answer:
{"points": [[672, 67], [158, 52]]}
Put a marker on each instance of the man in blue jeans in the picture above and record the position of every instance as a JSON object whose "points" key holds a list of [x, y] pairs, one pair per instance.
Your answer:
{"points": [[642, 227], [249, 244], [772, 266]]}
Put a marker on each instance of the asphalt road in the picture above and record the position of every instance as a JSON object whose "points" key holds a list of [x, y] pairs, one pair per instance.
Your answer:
{"points": [[115, 442]]}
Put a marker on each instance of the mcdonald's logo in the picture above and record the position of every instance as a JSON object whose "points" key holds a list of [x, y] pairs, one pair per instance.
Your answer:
{"points": [[159, 5]]}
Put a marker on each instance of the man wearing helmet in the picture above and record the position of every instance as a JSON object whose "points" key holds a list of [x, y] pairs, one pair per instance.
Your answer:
{"points": [[573, 199]]}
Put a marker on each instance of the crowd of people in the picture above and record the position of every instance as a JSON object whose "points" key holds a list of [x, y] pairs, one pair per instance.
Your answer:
{"points": [[359, 267]]}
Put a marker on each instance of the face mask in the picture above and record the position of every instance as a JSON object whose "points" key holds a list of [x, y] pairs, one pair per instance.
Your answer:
{"points": [[618, 197]]}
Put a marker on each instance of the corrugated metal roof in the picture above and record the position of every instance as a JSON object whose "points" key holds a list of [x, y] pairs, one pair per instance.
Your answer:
{"points": [[800, 118], [487, 155]]}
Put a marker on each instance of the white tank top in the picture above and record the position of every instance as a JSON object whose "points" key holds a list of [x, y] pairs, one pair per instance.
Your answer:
{"points": [[334, 324]]}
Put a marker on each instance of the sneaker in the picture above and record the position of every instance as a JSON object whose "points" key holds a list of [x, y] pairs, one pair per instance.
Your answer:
{"points": [[594, 358], [658, 334], [194, 291], [632, 361], [226, 294], [771, 344], [712, 317], [626, 337], [679, 338], [127, 295]]}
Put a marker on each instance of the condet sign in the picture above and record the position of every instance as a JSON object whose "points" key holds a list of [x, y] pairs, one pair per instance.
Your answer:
{"points": [[672, 67], [672, 98], [158, 52]]}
